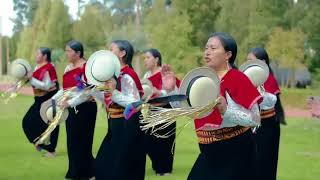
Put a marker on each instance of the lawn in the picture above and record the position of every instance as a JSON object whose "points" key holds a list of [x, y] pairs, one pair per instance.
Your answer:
{"points": [[297, 98], [299, 149]]}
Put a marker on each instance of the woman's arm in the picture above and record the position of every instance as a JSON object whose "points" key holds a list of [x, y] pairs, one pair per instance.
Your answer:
{"points": [[238, 115], [129, 92], [269, 101], [45, 84]]}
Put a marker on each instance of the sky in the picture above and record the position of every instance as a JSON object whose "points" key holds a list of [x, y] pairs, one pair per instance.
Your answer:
{"points": [[6, 12]]}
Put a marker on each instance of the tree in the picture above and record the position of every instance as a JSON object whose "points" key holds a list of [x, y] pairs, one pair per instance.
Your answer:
{"points": [[311, 26], [58, 25], [295, 13], [202, 16], [40, 24], [93, 27], [25, 10], [24, 45], [251, 23], [288, 49], [80, 7], [13, 43], [32, 37], [122, 10], [235, 22], [168, 32], [4, 51]]}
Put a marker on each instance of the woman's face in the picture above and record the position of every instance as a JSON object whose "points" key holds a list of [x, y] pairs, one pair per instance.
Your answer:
{"points": [[215, 55], [150, 62], [251, 56], [72, 55], [40, 58], [115, 49]]}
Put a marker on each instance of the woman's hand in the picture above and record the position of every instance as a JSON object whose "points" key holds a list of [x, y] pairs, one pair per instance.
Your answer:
{"points": [[64, 104], [222, 105], [168, 78], [156, 92]]}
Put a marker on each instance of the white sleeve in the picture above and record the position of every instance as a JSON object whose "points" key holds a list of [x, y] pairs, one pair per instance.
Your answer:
{"points": [[269, 101], [129, 92], [68, 67], [78, 98], [174, 92], [238, 115], [45, 84], [57, 95], [146, 75], [98, 95]]}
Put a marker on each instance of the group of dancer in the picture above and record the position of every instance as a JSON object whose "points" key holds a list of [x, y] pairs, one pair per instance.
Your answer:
{"points": [[226, 153]]}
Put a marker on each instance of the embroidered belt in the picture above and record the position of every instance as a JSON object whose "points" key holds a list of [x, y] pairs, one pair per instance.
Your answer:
{"points": [[267, 113], [40, 92], [211, 136], [115, 111]]}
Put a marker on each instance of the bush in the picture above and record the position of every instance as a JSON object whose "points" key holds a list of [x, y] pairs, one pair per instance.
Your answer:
{"points": [[315, 79], [57, 55]]}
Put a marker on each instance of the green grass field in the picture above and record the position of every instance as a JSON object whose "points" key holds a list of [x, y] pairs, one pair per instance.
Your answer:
{"points": [[299, 149], [297, 97]]}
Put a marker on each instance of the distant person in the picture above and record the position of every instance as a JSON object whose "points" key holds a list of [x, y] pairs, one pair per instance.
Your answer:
{"points": [[81, 121], [160, 150], [121, 155], [268, 134], [44, 84]]}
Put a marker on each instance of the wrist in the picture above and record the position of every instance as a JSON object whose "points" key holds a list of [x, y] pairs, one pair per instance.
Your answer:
{"points": [[223, 111]]}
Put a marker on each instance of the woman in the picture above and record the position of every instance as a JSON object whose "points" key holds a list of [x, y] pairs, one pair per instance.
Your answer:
{"points": [[268, 135], [159, 149], [121, 155], [226, 152], [82, 116], [45, 84]]}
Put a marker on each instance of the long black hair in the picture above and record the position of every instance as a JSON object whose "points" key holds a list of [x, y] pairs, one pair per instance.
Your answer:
{"points": [[156, 54], [229, 44], [76, 46], [262, 55], [46, 51], [126, 46]]}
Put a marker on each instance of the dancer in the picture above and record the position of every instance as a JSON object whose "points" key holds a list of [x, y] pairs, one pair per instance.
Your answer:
{"points": [[121, 155], [81, 121], [44, 84]]}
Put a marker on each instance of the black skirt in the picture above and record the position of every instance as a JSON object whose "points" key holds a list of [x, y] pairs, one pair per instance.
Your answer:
{"points": [[161, 150], [105, 160], [232, 159], [80, 130], [267, 138], [33, 125], [122, 154]]}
